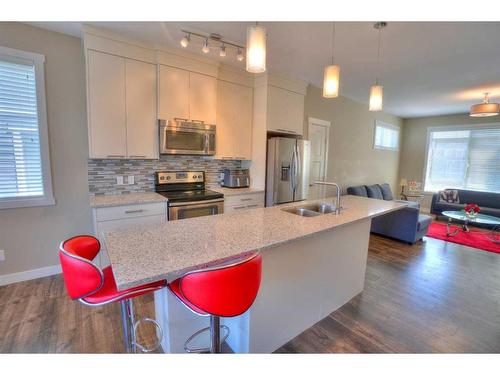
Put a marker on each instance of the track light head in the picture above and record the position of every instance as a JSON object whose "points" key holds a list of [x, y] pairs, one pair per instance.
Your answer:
{"points": [[185, 41], [239, 55], [222, 52], [205, 48]]}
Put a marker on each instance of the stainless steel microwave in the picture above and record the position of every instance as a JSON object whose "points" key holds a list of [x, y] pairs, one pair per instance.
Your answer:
{"points": [[183, 137]]}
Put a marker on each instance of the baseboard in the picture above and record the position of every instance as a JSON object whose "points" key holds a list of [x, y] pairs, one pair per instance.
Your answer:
{"points": [[11, 278]]}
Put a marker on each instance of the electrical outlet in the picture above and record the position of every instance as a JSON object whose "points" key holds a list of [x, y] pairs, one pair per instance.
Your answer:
{"points": [[2, 255], [119, 180], [131, 180]]}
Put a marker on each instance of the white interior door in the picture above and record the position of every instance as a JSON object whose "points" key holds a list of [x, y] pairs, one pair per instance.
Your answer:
{"points": [[319, 133]]}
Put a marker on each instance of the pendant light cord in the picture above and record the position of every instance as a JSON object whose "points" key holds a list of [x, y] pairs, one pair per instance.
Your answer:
{"points": [[333, 40], [378, 56]]}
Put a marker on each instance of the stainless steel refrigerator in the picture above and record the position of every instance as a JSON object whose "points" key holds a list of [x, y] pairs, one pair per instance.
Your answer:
{"points": [[287, 170]]}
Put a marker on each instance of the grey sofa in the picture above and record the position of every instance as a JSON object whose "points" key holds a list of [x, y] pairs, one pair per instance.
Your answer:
{"points": [[489, 203], [406, 225]]}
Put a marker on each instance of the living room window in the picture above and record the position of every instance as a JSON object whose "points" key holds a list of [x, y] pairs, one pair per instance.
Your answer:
{"points": [[25, 176], [386, 136], [463, 158]]}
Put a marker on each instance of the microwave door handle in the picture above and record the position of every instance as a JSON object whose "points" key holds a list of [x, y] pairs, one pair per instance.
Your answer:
{"points": [[207, 143]]}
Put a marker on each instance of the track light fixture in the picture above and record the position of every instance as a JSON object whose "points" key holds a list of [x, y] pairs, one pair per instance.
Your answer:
{"points": [[216, 38], [222, 52], [205, 48], [239, 55], [185, 41]]}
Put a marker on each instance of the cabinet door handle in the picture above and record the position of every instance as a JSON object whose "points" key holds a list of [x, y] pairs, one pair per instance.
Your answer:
{"points": [[133, 211], [198, 121], [252, 205], [138, 156], [239, 207], [115, 156], [246, 199], [181, 119]]}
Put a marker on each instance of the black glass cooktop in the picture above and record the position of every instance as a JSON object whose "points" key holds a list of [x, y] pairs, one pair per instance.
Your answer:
{"points": [[190, 195]]}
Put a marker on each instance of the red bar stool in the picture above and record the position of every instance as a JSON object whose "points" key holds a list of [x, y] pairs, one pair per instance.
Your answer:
{"points": [[94, 286], [226, 290]]}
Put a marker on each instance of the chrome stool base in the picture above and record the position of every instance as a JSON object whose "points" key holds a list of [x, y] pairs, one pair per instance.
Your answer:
{"points": [[215, 338], [130, 326]]}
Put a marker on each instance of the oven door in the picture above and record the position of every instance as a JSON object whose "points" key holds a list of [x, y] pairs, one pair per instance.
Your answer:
{"points": [[187, 210], [183, 141]]}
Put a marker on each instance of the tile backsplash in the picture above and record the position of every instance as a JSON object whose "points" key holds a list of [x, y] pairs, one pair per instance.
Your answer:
{"points": [[103, 172]]}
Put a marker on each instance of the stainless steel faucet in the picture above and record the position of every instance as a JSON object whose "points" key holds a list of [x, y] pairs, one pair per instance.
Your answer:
{"points": [[325, 183]]}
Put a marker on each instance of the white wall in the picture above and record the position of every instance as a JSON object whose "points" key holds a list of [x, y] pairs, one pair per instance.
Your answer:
{"points": [[30, 236]]}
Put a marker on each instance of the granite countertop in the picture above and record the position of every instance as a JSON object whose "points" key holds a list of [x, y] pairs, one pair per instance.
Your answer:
{"points": [[237, 191], [125, 199], [148, 253]]}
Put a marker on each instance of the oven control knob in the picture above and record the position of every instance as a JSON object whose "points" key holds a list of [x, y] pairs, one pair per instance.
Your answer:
{"points": [[162, 178], [168, 177], [200, 176], [194, 177]]}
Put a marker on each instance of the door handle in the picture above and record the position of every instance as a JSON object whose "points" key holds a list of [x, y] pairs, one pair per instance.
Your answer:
{"points": [[133, 211], [115, 156]]}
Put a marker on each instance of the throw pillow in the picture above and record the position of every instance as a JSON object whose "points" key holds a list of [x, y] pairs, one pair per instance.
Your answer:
{"points": [[449, 196], [374, 191], [386, 192]]}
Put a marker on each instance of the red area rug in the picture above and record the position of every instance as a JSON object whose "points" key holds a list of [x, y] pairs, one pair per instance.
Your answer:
{"points": [[475, 238]]}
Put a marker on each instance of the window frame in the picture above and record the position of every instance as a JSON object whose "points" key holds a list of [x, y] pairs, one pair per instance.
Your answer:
{"points": [[382, 124], [494, 125], [47, 199]]}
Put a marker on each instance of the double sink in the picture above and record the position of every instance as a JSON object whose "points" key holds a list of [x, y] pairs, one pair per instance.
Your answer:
{"points": [[313, 209]]}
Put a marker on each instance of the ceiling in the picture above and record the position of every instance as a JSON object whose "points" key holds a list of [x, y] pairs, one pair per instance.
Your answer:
{"points": [[427, 68]]}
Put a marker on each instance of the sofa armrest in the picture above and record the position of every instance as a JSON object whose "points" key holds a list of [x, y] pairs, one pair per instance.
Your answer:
{"points": [[435, 199]]}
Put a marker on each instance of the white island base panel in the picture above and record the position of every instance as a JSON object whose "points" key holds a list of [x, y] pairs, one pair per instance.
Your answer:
{"points": [[303, 281]]}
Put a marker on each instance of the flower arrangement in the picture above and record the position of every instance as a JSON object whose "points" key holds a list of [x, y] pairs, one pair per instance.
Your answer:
{"points": [[471, 210]]}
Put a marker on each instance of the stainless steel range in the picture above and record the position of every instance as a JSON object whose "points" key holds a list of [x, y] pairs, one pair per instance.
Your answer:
{"points": [[187, 195]]}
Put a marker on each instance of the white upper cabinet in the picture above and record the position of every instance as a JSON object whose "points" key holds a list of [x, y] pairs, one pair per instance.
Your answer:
{"points": [[142, 131], [285, 111], [202, 98], [187, 95], [234, 121], [173, 98], [121, 107], [106, 105]]}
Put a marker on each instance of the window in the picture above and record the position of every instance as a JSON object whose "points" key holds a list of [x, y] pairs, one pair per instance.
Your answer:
{"points": [[386, 136], [463, 158], [25, 178]]}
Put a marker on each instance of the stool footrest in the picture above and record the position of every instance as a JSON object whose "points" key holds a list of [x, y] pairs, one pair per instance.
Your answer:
{"points": [[207, 349], [159, 336]]}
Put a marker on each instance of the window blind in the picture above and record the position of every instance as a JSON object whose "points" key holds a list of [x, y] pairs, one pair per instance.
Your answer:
{"points": [[20, 161], [386, 137], [464, 159]]}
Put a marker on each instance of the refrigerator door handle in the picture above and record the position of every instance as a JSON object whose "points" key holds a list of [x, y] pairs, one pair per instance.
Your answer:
{"points": [[297, 167], [293, 171]]}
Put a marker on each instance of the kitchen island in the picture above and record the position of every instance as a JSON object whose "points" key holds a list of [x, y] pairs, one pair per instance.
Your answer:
{"points": [[311, 266]]}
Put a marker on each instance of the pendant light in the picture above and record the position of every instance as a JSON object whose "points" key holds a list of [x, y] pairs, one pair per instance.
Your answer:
{"points": [[256, 49], [485, 109], [377, 90], [331, 75]]}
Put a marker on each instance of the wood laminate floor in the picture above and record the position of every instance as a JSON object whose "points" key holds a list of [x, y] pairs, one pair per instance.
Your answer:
{"points": [[427, 298]]}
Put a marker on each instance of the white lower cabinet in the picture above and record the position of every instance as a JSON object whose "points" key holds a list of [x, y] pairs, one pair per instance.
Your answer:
{"points": [[234, 203], [119, 217]]}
